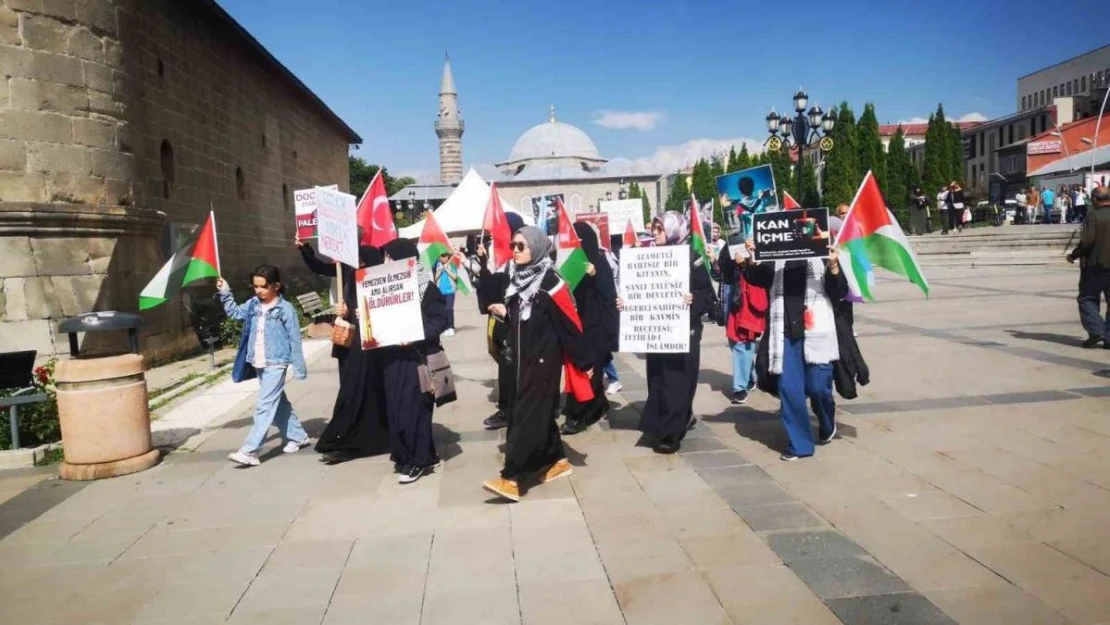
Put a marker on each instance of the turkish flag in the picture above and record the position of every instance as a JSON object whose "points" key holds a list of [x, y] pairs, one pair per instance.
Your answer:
{"points": [[498, 227], [373, 215]]}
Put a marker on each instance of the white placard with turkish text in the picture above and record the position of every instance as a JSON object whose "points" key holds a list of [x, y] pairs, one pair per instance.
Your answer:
{"points": [[389, 304], [337, 226], [621, 212], [654, 282], [304, 209]]}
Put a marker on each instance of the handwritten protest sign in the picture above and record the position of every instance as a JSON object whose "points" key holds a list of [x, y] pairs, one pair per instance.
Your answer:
{"points": [[389, 304], [654, 281], [336, 225], [600, 222], [623, 211], [304, 209], [792, 235]]}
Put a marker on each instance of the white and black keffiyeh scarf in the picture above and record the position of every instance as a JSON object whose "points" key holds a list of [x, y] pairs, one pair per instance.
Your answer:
{"points": [[525, 281], [821, 346]]}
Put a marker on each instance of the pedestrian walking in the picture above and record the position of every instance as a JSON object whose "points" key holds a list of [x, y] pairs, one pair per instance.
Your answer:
{"points": [[797, 352], [1093, 253], [1080, 204], [942, 208], [1048, 200], [408, 404], [269, 345], [956, 206], [673, 378], [446, 277], [492, 283], [919, 210], [544, 328], [746, 311]]}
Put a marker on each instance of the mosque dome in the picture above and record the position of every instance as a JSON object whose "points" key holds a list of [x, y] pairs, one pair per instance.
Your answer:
{"points": [[554, 139]]}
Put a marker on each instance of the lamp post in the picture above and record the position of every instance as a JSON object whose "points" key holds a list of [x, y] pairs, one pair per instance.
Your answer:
{"points": [[623, 194], [412, 205], [806, 130]]}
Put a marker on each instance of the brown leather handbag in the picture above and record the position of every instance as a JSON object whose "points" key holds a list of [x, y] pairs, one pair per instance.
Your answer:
{"points": [[341, 333]]}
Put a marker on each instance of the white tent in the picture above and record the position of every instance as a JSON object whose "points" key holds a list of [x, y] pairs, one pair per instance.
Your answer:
{"points": [[464, 210]]}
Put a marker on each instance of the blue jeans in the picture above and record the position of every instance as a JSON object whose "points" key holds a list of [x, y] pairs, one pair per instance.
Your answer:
{"points": [[611, 371], [273, 408], [798, 381], [743, 355]]}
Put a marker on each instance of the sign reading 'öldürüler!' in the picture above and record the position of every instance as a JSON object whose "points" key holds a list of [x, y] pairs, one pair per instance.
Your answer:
{"points": [[791, 235], [654, 281]]}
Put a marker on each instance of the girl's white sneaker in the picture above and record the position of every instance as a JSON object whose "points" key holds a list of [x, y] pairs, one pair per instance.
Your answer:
{"points": [[245, 459], [293, 447]]}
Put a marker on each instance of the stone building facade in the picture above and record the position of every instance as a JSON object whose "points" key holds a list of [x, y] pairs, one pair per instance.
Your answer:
{"points": [[122, 122]]}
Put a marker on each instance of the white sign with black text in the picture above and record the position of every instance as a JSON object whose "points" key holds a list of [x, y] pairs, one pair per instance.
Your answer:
{"points": [[654, 282]]}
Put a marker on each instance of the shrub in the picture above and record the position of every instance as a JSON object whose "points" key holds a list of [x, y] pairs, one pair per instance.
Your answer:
{"points": [[38, 423]]}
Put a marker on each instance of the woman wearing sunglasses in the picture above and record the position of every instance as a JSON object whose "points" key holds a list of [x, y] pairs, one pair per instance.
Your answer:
{"points": [[543, 332], [673, 378]]}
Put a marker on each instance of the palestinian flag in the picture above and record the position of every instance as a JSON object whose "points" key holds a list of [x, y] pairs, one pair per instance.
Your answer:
{"points": [[570, 258], [788, 201], [698, 242], [630, 239], [870, 237], [199, 258], [434, 243], [576, 382]]}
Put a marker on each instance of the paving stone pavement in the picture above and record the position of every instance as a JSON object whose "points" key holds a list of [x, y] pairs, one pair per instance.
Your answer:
{"points": [[970, 484]]}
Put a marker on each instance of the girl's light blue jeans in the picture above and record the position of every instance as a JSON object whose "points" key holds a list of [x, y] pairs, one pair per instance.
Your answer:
{"points": [[273, 408], [743, 356]]}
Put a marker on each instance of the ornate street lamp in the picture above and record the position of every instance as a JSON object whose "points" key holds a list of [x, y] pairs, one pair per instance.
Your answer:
{"points": [[412, 205], [807, 130]]}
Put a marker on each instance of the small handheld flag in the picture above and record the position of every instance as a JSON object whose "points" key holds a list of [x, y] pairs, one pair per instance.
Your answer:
{"points": [[199, 258]]}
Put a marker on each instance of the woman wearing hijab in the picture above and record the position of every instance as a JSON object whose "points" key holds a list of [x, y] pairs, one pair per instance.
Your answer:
{"points": [[673, 378], [596, 299], [544, 330], [800, 346], [358, 424], [409, 408]]}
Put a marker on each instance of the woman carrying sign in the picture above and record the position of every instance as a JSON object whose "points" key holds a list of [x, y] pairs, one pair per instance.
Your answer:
{"points": [[544, 333], [596, 299], [797, 351], [408, 407], [673, 378]]}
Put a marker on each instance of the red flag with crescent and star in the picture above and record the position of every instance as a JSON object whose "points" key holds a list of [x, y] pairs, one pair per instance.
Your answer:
{"points": [[373, 215]]}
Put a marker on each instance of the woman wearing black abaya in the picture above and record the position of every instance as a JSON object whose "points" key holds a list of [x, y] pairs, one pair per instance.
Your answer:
{"points": [[673, 378], [408, 407], [358, 424], [543, 330], [596, 299], [492, 283]]}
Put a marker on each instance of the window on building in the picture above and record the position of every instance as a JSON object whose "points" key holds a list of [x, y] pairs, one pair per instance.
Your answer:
{"points": [[1083, 84], [1055, 92], [1069, 89], [1075, 84], [1009, 134], [1024, 100], [169, 173], [981, 135], [240, 183], [285, 198], [1000, 137]]}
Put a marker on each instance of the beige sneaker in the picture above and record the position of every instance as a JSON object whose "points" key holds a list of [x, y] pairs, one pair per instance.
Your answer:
{"points": [[503, 488], [560, 469]]}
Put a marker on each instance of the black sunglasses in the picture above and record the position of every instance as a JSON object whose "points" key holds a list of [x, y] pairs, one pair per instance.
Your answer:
{"points": [[517, 246]]}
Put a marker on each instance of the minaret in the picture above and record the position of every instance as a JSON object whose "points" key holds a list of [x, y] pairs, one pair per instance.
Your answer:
{"points": [[449, 128]]}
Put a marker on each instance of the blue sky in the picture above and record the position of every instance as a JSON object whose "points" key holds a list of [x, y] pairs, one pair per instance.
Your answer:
{"points": [[695, 70]]}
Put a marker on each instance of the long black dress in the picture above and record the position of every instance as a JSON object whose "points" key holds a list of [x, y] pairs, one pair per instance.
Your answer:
{"points": [[537, 348], [596, 299], [358, 425], [409, 408], [320, 268], [491, 290], [673, 378]]}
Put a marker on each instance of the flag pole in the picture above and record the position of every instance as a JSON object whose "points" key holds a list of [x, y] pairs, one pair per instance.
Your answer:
{"points": [[215, 237]]}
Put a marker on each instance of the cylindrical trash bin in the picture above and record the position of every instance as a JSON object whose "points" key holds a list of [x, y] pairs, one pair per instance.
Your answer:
{"points": [[102, 406]]}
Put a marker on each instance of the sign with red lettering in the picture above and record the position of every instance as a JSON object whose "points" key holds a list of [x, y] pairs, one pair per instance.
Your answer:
{"points": [[1051, 146], [389, 304], [304, 209], [600, 222], [337, 225]]}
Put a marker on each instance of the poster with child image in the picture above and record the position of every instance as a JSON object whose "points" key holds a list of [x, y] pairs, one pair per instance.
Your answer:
{"points": [[743, 194]]}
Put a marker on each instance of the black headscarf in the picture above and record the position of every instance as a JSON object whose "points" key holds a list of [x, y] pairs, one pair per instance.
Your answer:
{"points": [[400, 248], [604, 276], [370, 255], [516, 222]]}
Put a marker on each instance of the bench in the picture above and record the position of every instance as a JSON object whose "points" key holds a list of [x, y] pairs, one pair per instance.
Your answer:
{"points": [[16, 369]]}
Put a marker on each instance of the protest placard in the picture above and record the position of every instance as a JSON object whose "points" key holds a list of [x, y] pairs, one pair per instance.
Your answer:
{"points": [[389, 304], [743, 194], [600, 222], [654, 281], [336, 225], [792, 235], [304, 210], [622, 211]]}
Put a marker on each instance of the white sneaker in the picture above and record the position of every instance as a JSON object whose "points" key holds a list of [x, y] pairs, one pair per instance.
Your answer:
{"points": [[245, 459], [449, 332], [614, 388], [293, 447]]}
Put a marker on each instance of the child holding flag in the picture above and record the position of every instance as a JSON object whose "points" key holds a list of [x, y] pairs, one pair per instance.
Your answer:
{"points": [[269, 345]]}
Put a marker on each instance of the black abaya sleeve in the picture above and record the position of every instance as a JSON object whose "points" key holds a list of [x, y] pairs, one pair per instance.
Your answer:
{"points": [[836, 285], [315, 265], [491, 290], [571, 339], [761, 275], [433, 308], [701, 287]]}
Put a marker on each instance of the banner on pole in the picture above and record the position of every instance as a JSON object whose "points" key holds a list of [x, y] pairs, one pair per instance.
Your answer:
{"points": [[654, 281], [337, 226], [389, 304]]}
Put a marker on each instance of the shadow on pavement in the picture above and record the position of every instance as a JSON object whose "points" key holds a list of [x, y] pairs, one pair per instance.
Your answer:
{"points": [[1046, 337]]}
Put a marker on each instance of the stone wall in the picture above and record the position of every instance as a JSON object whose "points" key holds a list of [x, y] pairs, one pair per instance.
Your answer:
{"points": [[119, 118]]}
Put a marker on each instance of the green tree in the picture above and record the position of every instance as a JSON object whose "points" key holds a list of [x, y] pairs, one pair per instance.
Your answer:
{"points": [[811, 196], [743, 159], [361, 173], [732, 158], [635, 192], [897, 193], [705, 188], [680, 192], [937, 153], [956, 154], [782, 167], [870, 146], [842, 175]]}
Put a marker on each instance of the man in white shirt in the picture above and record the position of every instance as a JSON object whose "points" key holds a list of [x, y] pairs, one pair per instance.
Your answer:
{"points": [[1022, 202], [1080, 205]]}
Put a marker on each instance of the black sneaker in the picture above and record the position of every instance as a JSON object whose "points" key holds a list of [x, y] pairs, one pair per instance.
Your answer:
{"points": [[788, 456], [665, 447], [691, 425], [410, 474], [496, 421], [572, 427], [825, 440], [1092, 342], [739, 398], [751, 385]]}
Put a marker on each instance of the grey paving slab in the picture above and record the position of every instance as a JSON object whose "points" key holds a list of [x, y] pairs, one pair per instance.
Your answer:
{"points": [[895, 609], [731, 476], [1027, 398], [711, 459], [743, 496], [1094, 391], [28, 505], [787, 516], [837, 578], [702, 444], [940, 403], [795, 546]]}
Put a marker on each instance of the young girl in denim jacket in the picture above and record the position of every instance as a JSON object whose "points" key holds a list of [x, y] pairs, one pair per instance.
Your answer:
{"points": [[269, 345]]}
